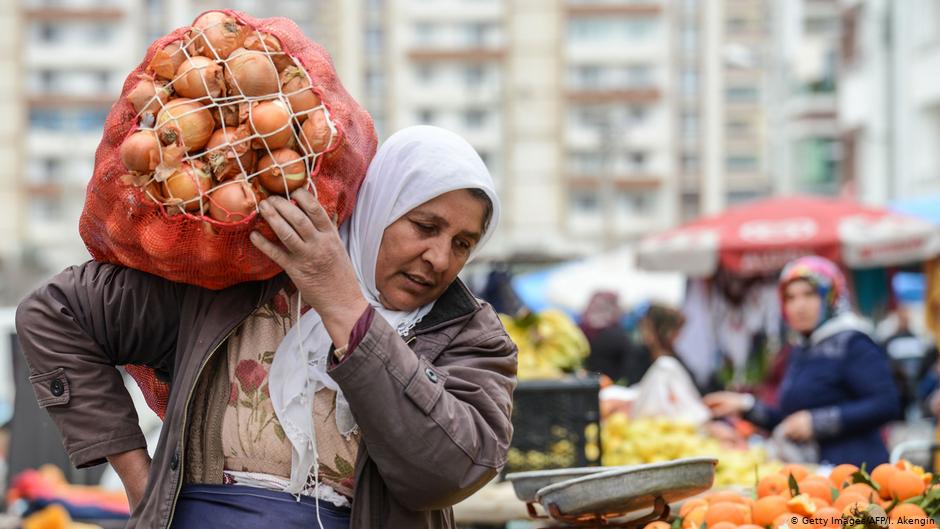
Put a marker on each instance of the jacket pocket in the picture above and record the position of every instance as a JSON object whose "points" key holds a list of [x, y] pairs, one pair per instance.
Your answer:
{"points": [[426, 386], [52, 388]]}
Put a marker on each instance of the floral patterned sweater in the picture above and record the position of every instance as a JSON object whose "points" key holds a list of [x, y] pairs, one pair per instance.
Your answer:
{"points": [[252, 438]]}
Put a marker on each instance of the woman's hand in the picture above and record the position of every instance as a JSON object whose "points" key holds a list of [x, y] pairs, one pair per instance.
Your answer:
{"points": [[725, 403], [133, 468], [798, 426], [315, 258]]}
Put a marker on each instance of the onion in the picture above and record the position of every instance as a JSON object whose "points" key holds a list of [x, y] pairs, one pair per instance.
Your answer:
{"points": [[317, 132], [286, 165], [215, 34], [187, 121], [184, 186], [141, 151], [231, 114], [296, 86], [149, 95], [271, 46], [229, 153], [199, 77], [250, 73], [167, 60], [232, 202], [272, 121]]}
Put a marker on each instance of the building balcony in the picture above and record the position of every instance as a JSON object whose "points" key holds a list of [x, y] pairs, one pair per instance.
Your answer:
{"points": [[74, 12], [613, 8], [104, 56], [448, 54], [614, 95], [622, 181]]}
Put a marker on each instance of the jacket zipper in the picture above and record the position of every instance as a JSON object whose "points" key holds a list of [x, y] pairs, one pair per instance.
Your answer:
{"points": [[182, 445]]}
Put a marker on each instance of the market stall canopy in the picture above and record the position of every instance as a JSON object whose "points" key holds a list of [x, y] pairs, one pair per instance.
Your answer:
{"points": [[761, 237], [569, 286]]}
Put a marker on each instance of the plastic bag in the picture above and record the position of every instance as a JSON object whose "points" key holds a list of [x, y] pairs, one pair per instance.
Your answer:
{"points": [[667, 390]]}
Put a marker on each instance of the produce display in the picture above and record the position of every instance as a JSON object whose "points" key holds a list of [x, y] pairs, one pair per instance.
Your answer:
{"points": [[891, 496], [628, 441], [219, 116], [550, 343]]}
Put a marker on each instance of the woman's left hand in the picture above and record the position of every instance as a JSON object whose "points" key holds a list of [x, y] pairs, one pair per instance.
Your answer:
{"points": [[313, 255], [798, 426]]}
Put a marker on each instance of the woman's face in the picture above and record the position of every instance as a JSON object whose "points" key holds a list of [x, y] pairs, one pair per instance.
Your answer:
{"points": [[422, 252], [802, 306]]}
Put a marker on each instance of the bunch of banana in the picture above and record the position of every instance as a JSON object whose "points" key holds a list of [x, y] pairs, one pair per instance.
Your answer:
{"points": [[550, 344], [649, 440]]}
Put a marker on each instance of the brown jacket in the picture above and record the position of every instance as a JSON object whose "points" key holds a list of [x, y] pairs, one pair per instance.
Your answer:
{"points": [[434, 409]]}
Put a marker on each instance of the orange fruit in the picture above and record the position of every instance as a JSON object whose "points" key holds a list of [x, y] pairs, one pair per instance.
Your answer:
{"points": [[695, 517], [828, 517], [688, 505], [841, 474], [853, 509], [724, 525], [726, 511], [846, 498], [906, 510], [768, 508], [797, 471], [657, 525], [750, 526], [773, 485], [727, 496], [802, 504], [905, 484], [862, 490], [817, 487], [820, 503], [882, 475]]}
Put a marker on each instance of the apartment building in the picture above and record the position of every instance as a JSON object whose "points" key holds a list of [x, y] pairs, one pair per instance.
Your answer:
{"points": [[889, 99], [805, 153], [74, 57], [722, 79]]}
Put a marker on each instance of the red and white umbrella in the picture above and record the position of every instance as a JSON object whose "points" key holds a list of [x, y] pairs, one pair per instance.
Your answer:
{"points": [[761, 237]]}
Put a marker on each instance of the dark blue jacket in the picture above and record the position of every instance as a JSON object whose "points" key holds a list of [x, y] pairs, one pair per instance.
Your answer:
{"points": [[844, 379]]}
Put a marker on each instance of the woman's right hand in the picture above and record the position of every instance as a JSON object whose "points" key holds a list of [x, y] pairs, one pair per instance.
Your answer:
{"points": [[724, 403], [133, 468]]}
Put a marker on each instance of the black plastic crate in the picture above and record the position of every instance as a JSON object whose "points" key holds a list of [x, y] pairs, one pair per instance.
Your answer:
{"points": [[556, 424]]}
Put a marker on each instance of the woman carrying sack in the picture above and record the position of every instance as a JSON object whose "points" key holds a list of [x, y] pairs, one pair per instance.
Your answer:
{"points": [[365, 387]]}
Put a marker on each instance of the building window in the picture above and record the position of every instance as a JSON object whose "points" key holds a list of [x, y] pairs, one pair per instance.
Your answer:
{"points": [[474, 118], [585, 163], [639, 76], [689, 83], [425, 73], [738, 127], [424, 33], [476, 33], [592, 116], [584, 201], [473, 75], [690, 162], [638, 160], [375, 82], [374, 39], [100, 33], [741, 94], [633, 203], [50, 33], [427, 116], [741, 163], [690, 125], [635, 115], [45, 209]]}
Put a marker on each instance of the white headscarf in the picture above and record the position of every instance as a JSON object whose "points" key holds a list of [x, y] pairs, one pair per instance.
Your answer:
{"points": [[413, 166]]}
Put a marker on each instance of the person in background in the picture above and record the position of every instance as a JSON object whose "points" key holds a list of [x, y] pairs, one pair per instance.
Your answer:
{"points": [[609, 341], [838, 390]]}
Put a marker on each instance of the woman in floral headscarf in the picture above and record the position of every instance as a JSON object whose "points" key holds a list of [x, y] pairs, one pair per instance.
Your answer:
{"points": [[838, 390]]}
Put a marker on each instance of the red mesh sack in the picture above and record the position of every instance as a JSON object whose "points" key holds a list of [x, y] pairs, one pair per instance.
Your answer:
{"points": [[177, 197], [141, 219]]}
